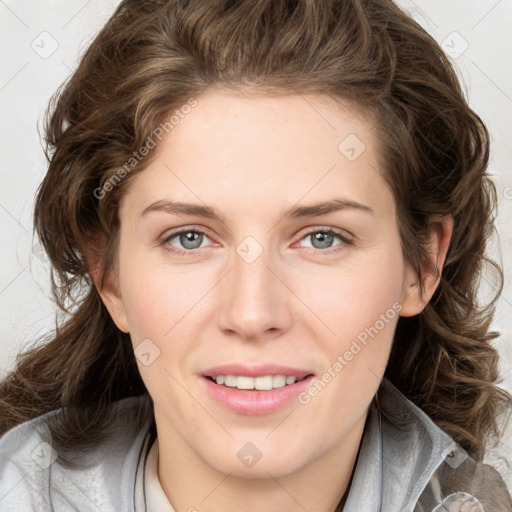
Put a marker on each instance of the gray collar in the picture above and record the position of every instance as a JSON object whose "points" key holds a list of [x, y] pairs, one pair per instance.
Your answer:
{"points": [[400, 451]]}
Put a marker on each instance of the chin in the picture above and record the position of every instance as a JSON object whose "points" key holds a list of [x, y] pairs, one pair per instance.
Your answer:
{"points": [[258, 459]]}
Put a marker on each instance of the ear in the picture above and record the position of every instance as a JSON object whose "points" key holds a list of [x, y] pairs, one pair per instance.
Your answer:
{"points": [[108, 289], [441, 229]]}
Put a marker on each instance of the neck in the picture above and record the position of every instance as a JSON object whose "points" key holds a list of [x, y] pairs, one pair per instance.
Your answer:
{"points": [[193, 485]]}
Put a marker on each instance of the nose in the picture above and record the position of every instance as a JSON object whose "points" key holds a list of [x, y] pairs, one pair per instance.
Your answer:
{"points": [[254, 302]]}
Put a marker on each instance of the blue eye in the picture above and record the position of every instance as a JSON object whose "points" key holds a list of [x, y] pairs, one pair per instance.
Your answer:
{"points": [[323, 239], [191, 239]]}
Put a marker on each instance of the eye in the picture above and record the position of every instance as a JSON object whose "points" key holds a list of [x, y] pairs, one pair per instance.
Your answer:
{"points": [[322, 239], [188, 239]]}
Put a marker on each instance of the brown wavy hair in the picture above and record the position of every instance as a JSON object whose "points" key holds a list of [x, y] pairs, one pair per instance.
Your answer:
{"points": [[150, 58]]}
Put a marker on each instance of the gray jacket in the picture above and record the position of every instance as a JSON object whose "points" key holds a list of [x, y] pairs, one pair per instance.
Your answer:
{"points": [[405, 464]]}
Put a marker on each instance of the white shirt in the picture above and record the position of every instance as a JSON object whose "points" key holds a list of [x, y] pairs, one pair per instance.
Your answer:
{"points": [[156, 500]]}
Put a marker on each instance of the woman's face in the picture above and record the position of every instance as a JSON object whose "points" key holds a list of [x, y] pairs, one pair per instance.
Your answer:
{"points": [[289, 265]]}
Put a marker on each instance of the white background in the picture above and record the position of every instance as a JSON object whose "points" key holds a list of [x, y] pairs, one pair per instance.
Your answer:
{"points": [[477, 33]]}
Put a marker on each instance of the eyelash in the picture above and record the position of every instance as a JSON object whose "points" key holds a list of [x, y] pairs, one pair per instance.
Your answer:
{"points": [[328, 231]]}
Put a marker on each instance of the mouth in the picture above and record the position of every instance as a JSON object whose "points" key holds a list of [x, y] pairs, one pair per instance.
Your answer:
{"points": [[255, 390]]}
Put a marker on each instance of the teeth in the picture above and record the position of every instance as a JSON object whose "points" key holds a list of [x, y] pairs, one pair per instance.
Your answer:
{"points": [[260, 383]]}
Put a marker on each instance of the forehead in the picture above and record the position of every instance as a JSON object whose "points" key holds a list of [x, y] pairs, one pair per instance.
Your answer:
{"points": [[248, 148]]}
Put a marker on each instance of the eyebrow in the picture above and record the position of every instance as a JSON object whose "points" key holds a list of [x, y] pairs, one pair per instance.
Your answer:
{"points": [[315, 210], [295, 212]]}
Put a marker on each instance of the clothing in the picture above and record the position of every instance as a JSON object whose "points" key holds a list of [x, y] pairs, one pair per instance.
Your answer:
{"points": [[405, 464]]}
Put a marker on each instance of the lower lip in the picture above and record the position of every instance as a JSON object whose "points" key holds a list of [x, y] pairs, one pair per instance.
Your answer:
{"points": [[254, 402]]}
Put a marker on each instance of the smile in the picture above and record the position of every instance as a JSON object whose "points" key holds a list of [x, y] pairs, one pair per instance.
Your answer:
{"points": [[255, 396], [263, 383]]}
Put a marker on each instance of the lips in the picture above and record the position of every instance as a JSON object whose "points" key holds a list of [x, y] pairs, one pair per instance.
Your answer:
{"points": [[255, 389]]}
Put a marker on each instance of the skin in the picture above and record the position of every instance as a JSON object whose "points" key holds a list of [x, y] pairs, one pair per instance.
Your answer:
{"points": [[251, 158]]}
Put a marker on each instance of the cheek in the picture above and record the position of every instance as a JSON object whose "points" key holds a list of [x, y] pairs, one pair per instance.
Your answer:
{"points": [[144, 301], [158, 295], [353, 296], [156, 302], [360, 303]]}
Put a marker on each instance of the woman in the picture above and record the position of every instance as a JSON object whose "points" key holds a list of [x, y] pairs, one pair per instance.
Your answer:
{"points": [[266, 220]]}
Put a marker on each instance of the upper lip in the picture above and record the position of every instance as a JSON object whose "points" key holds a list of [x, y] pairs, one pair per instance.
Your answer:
{"points": [[255, 370]]}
